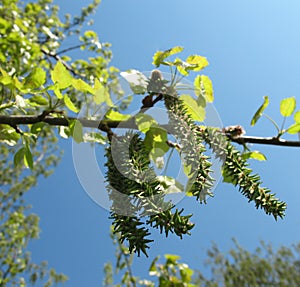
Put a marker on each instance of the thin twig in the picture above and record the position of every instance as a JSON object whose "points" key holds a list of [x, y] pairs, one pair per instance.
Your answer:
{"points": [[70, 49], [58, 58]]}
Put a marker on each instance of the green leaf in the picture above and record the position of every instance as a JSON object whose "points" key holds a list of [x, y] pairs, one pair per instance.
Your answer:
{"points": [[35, 79], [19, 156], [197, 62], [197, 112], [28, 159], [181, 66], [260, 110], [287, 106], [172, 258], [76, 130], [156, 142], [226, 177], [160, 56], [38, 100], [144, 122], [69, 104], [293, 129], [82, 86], [101, 94], [37, 127], [9, 135], [61, 76], [203, 88], [116, 116], [297, 117], [254, 155]]}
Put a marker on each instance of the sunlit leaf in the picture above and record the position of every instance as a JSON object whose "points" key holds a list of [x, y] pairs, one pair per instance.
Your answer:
{"points": [[9, 135], [254, 155], [61, 76], [144, 122], [35, 79], [297, 117], [293, 129], [82, 86], [172, 258], [260, 111], [197, 62], [101, 94], [287, 106], [156, 142], [160, 56], [116, 116], [197, 112], [69, 104], [203, 87]]}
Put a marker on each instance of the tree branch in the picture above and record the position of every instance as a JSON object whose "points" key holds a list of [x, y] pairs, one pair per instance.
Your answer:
{"points": [[265, 141], [15, 120]]}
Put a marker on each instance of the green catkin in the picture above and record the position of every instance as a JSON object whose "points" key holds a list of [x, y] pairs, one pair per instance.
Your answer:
{"points": [[192, 148], [135, 192], [236, 168]]}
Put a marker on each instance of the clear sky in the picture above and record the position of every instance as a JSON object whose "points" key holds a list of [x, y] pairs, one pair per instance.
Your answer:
{"points": [[254, 50]]}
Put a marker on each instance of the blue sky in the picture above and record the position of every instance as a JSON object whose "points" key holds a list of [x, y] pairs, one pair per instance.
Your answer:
{"points": [[253, 49]]}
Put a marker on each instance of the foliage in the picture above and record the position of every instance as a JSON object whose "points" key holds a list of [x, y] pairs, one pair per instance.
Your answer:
{"points": [[31, 42], [287, 109], [237, 267]]}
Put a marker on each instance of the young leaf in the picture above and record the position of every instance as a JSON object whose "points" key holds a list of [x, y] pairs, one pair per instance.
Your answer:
{"points": [[19, 156], [260, 110], [203, 85], [61, 76], [35, 79], [287, 106], [116, 116], [28, 159], [8, 135], [293, 129], [197, 112], [144, 122], [254, 155], [69, 104], [38, 100], [76, 130], [37, 127], [197, 62], [101, 94], [160, 56], [82, 86], [297, 117], [156, 142]]}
